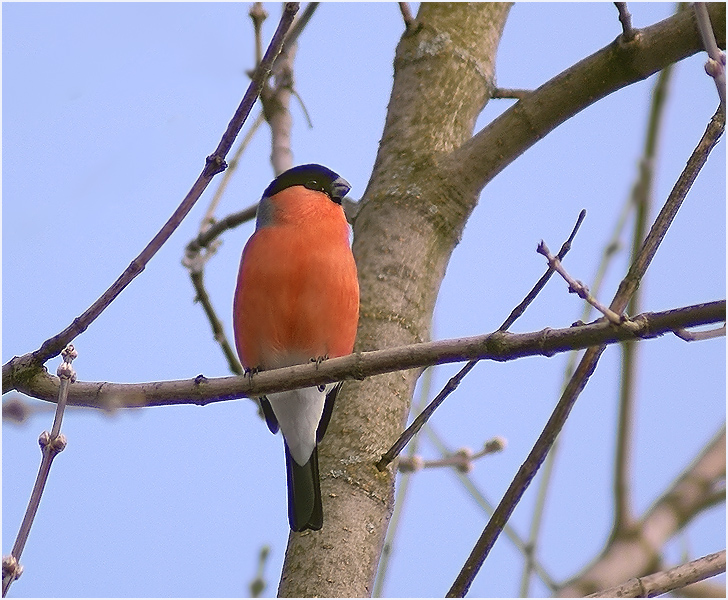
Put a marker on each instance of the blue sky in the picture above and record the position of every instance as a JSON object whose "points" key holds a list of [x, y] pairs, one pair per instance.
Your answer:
{"points": [[108, 113]]}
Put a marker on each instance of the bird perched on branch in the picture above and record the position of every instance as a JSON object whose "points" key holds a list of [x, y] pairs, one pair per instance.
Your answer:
{"points": [[297, 300]]}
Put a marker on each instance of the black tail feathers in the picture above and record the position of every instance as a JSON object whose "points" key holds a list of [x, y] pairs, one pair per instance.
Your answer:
{"points": [[304, 493]]}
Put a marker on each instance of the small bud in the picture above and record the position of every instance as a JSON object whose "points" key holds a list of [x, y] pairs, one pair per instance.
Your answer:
{"points": [[65, 371], [69, 353], [57, 444], [44, 439], [466, 456], [411, 464], [497, 444], [60, 443]]}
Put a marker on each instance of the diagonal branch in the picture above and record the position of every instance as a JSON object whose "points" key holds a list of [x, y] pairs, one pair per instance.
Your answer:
{"points": [[454, 381], [589, 361], [637, 551], [214, 164], [669, 580], [613, 67]]}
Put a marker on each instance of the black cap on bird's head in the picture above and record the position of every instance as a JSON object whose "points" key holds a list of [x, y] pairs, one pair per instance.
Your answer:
{"points": [[314, 177]]}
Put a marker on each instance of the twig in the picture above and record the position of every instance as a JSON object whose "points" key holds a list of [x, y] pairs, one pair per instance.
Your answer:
{"points": [[489, 508], [499, 346], [300, 24], [51, 445], [509, 93], [669, 580], [715, 67], [462, 459], [690, 336], [409, 20], [589, 361], [208, 220], [258, 15], [230, 222], [455, 380], [628, 33], [576, 286], [217, 328], [258, 585], [531, 296], [301, 103], [214, 164]]}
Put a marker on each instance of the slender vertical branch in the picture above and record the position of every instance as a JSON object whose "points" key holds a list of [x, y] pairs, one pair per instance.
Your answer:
{"points": [[409, 20], [401, 494], [626, 20], [715, 67], [642, 201], [51, 445]]}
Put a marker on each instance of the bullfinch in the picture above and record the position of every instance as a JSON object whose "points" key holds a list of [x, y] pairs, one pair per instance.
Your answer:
{"points": [[296, 301]]}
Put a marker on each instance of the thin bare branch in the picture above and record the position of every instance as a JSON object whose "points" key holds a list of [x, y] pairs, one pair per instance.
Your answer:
{"points": [[230, 222], [531, 296], [455, 380], [215, 163], [625, 19], [669, 580], [715, 67], [51, 445], [575, 286], [217, 328], [209, 220], [690, 336], [300, 24], [510, 94], [409, 20], [463, 459], [258, 14], [258, 585]]}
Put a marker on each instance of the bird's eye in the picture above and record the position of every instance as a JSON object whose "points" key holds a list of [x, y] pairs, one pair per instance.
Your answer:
{"points": [[313, 184]]}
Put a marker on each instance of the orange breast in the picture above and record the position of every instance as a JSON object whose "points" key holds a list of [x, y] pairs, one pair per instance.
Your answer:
{"points": [[297, 296]]}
